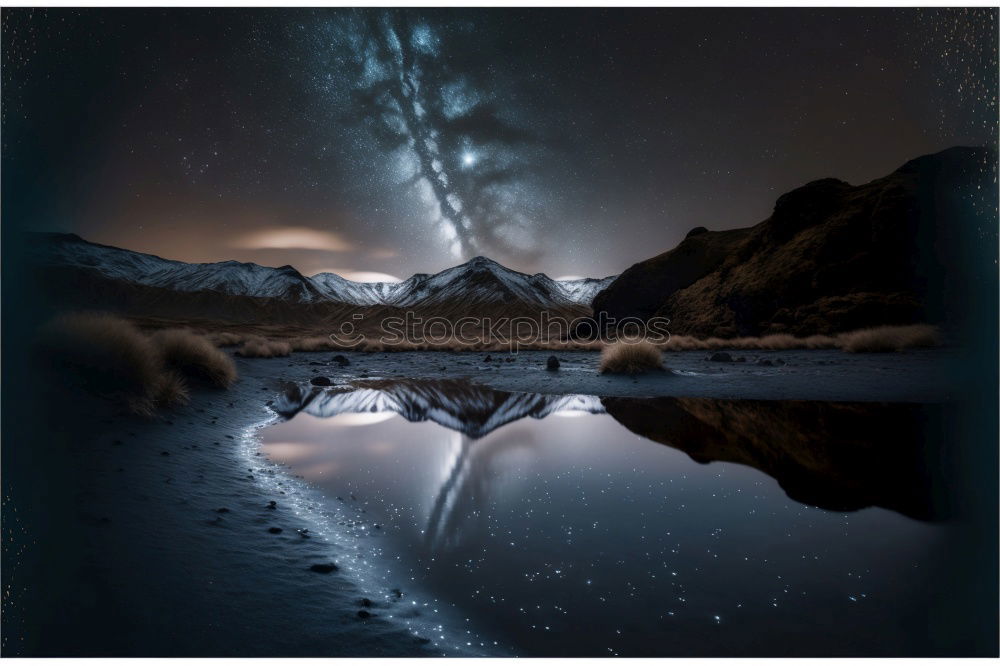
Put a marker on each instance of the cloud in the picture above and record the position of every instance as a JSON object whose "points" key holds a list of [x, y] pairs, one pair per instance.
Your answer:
{"points": [[292, 238], [360, 276], [383, 253]]}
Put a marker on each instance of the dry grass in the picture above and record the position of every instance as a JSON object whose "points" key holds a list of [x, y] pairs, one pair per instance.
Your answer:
{"points": [[195, 356], [883, 338], [318, 343], [890, 338], [263, 348], [774, 341], [170, 390], [630, 357], [108, 356], [226, 338]]}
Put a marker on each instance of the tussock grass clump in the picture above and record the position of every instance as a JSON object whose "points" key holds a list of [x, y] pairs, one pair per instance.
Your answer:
{"points": [[880, 339], [171, 389], [630, 357], [256, 347], [318, 343], [889, 338], [195, 356], [774, 341], [108, 356], [226, 339]]}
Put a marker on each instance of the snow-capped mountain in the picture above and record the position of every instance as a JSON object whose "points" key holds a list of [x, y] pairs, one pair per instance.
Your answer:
{"points": [[480, 281], [228, 277]]}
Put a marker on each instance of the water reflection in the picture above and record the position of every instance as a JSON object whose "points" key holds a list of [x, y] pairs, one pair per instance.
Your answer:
{"points": [[838, 456], [835, 455], [587, 536], [458, 405]]}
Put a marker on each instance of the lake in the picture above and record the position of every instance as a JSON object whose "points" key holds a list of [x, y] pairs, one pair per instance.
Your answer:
{"points": [[578, 526]]}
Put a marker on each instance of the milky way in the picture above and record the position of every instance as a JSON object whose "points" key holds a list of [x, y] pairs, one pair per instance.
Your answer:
{"points": [[566, 141], [449, 138]]}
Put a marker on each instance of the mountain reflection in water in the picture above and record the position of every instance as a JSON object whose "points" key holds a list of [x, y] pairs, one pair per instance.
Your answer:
{"points": [[607, 534], [838, 456]]}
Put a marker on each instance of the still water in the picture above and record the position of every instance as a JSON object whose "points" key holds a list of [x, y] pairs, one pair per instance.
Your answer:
{"points": [[572, 525]]}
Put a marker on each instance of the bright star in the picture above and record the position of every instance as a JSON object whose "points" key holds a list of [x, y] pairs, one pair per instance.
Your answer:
{"points": [[468, 159]]}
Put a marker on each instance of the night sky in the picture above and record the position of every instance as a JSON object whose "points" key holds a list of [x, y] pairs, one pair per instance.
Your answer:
{"points": [[569, 141]]}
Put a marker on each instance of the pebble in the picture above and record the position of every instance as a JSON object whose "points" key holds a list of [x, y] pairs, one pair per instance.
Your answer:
{"points": [[323, 568]]}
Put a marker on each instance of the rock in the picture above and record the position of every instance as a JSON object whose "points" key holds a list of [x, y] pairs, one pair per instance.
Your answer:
{"points": [[164, 453], [222, 510], [367, 603], [321, 381], [272, 505], [423, 641], [341, 360], [721, 357], [275, 530], [364, 615], [765, 362], [316, 363], [552, 363], [741, 359], [487, 359], [779, 361], [323, 568]]}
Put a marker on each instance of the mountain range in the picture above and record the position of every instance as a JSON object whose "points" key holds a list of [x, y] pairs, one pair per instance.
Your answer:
{"points": [[918, 245], [115, 278]]}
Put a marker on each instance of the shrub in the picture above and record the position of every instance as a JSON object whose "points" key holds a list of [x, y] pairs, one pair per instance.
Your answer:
{"points": [[170, 389], [630, 357], [195, 356], [889, 338], [884, 338], [108, 356], [226, 339], [256, 347], [318, 343]]}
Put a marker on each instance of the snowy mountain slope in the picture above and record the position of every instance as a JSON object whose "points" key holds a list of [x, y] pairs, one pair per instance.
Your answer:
{"points": [[228, 277], [480, 281], [583, 290]]}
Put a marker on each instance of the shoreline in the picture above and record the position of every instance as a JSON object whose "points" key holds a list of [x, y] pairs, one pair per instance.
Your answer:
{"points": [[142, 496], [925, 375]]}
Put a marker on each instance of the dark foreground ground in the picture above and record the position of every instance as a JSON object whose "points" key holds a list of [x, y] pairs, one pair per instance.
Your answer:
{"points": [[114, 542]]}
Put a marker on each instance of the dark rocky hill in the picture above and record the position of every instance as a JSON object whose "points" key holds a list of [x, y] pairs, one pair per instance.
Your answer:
{"points": [[904, 248]]}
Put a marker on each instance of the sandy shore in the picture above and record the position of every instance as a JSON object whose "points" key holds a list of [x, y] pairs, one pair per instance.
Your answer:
{"points": [[158, 537]]}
